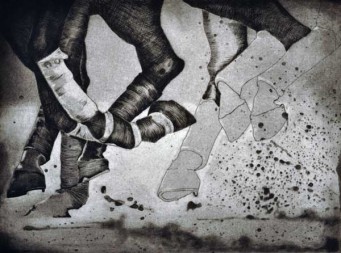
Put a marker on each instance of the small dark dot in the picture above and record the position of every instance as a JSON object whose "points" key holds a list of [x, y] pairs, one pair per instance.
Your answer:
{"points": [[260, 125], [284, 63], [103, 189], [285, 115], [21, 97], [162, 71]]}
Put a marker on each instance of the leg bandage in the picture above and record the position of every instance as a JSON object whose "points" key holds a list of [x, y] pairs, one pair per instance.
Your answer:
{"points": [[181, 178], [83, 132], [268, 118], [60, 79], [164, 117]]}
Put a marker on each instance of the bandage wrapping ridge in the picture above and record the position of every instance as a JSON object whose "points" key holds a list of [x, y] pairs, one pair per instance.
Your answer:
{"points": [[71, 150], [82, 131], [165, 117], [162, 120], [60, 79]]}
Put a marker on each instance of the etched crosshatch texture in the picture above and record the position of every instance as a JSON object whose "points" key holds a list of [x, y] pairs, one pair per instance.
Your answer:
{"points": [[170, 125]]}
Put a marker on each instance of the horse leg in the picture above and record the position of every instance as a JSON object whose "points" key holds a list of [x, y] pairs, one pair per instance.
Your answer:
{"points": [[17, 28], [141, 27], [265, 55], [227, 39]]}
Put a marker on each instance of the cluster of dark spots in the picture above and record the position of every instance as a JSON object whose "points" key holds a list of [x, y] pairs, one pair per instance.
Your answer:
{"points": [[284, 162], [137, 206], [308, 128], [192, 206], [111, 200]]}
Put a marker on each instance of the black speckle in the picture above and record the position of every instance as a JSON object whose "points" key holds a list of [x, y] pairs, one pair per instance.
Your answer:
{"points": [[135, 205], [116, 202], [295, 188], [266, 190], [192, 206], [103, 189], [298, 167], [260, 125], [285, 115]]}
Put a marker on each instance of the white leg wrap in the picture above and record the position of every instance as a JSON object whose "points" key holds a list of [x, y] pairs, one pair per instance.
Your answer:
{"points": [[109, 127], [137, 134], [73, 99], [162, 120], [82, 131]]}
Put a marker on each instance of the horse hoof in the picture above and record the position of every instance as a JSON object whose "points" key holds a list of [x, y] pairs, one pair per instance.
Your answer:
{"points": [[24, 181]]}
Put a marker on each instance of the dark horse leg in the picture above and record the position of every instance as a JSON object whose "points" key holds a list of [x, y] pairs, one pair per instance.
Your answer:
{"points": [[138, 24], [29, 29]]}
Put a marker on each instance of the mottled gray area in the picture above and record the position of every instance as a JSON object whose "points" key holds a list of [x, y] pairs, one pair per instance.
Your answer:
{"points": [[278, 194]]}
